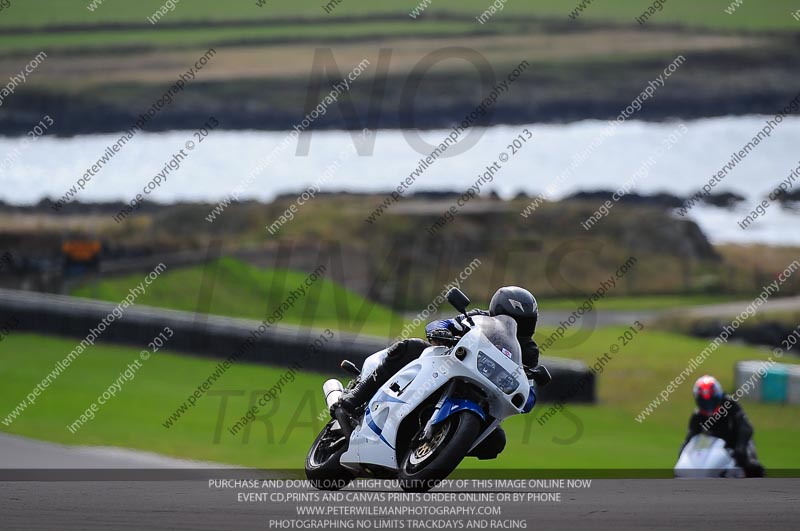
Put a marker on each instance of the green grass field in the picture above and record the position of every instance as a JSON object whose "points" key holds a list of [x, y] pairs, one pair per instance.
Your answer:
{"points": [[242, 290], [306, 19], [639, 302], [202, 37], [775, 14], [608, 437]]}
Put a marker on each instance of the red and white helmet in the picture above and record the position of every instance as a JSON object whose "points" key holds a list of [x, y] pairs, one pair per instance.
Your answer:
{"points": [[708, 395]]}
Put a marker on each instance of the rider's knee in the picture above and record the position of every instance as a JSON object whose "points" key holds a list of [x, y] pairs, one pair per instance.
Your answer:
{"points": [[491, 446], [499, 441], [406, 350], [415, 346]]}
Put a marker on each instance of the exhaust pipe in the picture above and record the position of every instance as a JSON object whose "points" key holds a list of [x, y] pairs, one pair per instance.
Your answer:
{"points": [[332, 389]]}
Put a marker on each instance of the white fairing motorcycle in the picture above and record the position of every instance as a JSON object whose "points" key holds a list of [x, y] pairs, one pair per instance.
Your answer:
{"points": [[427, 417], [706, 457]]}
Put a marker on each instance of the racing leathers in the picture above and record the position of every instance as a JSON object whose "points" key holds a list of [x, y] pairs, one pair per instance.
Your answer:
{"points": [[729, 423]]}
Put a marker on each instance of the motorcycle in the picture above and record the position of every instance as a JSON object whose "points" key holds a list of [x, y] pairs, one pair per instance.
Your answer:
{"points": [[707, 457], [424, 420]]}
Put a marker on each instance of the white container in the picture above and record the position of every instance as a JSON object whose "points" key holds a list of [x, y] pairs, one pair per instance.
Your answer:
{"points": [[744, 372], [793, 394]]}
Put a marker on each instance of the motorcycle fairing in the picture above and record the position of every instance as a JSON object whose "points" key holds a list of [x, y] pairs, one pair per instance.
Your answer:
{"points": [[374, 441], [454, 405]]}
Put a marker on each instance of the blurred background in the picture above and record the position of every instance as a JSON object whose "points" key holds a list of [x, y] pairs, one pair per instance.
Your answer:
{"points": [[252, 149]]}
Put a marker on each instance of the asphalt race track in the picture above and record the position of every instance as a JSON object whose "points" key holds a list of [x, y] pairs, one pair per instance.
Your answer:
{"points": [[58, 503], [608, 504]]}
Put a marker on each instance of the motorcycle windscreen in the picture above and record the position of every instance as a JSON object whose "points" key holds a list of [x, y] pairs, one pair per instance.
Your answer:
{"points": [[502, 333], [704, 453]]}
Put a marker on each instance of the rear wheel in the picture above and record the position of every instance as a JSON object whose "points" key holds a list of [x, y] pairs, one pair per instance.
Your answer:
{"points": [[427, 463], [323, 469]]}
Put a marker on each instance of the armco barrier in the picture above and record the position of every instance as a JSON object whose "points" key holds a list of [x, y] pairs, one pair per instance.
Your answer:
{"points": [[218, 337]]}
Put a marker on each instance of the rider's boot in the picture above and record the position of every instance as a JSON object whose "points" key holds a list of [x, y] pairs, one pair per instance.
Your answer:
{"points": [[354, 398], [397, 356]]}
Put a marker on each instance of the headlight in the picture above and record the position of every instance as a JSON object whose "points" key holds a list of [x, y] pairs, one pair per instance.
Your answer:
{"points": [[506, 382], [485, 365], [499, 376]]}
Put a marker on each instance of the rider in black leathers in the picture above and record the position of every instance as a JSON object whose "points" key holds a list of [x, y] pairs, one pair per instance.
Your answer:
{"points": [[721, 416], [513, 301]]}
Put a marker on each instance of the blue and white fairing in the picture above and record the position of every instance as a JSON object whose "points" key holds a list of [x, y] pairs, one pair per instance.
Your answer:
{"points": [[489, 356]]}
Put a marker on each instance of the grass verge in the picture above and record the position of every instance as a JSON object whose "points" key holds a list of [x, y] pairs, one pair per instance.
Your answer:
{"points": [[234, 288], [775, 14], [604, 436]]}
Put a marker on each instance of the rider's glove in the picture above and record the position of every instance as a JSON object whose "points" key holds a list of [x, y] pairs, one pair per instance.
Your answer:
{"points": [[539, 374], [440, 336]]}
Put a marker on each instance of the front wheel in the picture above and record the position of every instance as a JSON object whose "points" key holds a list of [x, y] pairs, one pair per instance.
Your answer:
{"points": [[427, 463], [323, 468]]}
